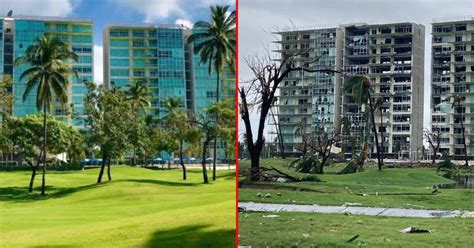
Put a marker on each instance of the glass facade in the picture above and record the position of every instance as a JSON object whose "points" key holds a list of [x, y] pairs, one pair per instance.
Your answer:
{"points": [[205, 83], [161, 56], [77, 35], [156, 55]]}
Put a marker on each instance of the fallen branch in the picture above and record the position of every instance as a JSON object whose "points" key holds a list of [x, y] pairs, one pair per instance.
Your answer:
{"points": [[292, 178]]}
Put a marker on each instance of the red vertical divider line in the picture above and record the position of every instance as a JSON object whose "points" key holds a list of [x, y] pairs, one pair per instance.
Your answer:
{"points": [[237, 125]]}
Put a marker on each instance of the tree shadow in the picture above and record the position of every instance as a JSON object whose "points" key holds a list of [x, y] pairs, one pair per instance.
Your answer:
{"points": [[192, 237], [20, 194], [227, 176], [159, 182]]}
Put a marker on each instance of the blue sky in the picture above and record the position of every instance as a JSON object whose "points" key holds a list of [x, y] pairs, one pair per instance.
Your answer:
{"points": [[136, 11], [104, 12]]}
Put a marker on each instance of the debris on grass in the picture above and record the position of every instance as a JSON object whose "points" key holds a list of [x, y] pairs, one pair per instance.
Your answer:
{"points": [[306, 235], [259, 194], [278, 194], [413, 205], [415, 230], [281, 180], [268, 195], [351, 204], [271, 216], [346, 213], [353, 238]]}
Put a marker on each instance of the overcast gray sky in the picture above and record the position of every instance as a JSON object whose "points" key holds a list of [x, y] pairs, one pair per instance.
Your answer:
{"points": [[258, 17]]}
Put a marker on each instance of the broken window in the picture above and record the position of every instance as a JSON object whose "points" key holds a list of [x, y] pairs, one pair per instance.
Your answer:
{"points": [[403, 29], [460, 27], [460, 47], [385, 30], [385, 50]]}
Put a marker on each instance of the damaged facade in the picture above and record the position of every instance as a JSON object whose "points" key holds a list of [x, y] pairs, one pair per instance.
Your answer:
{"points": [[452, 67], [390, 55]]}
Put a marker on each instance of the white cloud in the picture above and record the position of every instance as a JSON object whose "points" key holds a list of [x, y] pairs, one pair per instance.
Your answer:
{"points": [[98, 64], [154, 9], [35, 7], [218, 2], [185, 22]]}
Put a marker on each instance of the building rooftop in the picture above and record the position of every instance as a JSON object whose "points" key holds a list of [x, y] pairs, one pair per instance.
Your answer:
{"points": [[452, 19], [47, 18], [145, 25]]}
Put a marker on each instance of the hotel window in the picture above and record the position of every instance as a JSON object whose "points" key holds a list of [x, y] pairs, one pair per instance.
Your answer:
{"points": [[61, 27]]}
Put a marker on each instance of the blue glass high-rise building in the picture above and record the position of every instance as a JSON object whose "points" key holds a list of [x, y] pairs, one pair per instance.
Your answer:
{"points": [[160, 55], [20, 32]]}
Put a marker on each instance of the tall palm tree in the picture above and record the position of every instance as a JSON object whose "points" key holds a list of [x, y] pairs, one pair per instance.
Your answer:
{"points": [[139, 94], [49, 69], [456, 105], [215, 43], [378, 105], [361, 88]]}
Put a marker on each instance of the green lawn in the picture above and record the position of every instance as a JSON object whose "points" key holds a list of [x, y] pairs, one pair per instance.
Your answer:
{"points": [[139, 208], [403, 188], [331, 230]]}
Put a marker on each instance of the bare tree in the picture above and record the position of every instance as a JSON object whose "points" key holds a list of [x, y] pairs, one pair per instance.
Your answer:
{"points": [[434, 139], [322, 143], [260, 92], [306, 139]]}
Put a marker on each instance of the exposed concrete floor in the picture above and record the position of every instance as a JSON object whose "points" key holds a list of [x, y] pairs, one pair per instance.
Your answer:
{"points": [[389, 212]]}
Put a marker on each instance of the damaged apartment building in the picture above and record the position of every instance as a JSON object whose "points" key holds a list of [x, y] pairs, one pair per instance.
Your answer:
{"points": [[390, 55], [452, 67]]}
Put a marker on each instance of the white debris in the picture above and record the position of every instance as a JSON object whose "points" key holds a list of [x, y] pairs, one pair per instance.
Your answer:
{"points": [[351, 204], [271, 216], [281, 180], [415, 230]]}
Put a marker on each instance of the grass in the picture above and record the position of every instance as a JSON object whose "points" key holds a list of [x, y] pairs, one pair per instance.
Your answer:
{"points": [[412, 188], [331, 230], [138, 208]]}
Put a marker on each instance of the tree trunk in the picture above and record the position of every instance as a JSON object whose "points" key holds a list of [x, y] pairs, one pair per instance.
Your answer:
{"points": [[214, 159], [108, 170], [435, 150], [181, 158], [379, 162], [255, 166], [133, 157], [102, 166], [382, 149], [43, 181], [321, 166], [204, 170], [33, 172]]}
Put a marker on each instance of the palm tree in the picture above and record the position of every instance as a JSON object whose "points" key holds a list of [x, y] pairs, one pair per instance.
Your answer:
{"points": [[378, 105], [215, 43], [139, 95], [48, 71], [178, 123], [457, 99], [361, 89]]}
